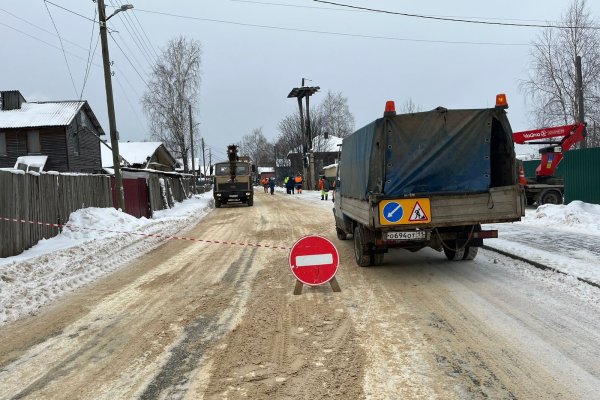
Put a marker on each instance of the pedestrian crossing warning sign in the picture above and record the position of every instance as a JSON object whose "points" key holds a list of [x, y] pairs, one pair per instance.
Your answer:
{"points": [[418, 214]]}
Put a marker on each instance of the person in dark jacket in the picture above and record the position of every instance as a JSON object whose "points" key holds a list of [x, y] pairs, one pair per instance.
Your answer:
{"points": [[289, 185], [272, 184]]}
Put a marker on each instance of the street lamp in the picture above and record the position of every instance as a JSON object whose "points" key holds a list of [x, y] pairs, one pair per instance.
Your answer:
{"points": [[124, 7], [299, 93], [114, 135]]}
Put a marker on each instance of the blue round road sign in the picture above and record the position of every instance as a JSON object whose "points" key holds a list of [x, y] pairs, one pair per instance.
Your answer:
{"points": [[393, 212]]}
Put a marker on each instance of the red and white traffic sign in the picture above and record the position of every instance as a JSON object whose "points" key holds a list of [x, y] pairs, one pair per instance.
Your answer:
{"points": [[314, 260]]}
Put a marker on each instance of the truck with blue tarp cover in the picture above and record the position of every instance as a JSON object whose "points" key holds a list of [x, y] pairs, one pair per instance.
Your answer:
{"points": [[427, 179]]}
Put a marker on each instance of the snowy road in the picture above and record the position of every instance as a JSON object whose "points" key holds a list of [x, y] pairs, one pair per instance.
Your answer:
{"points": [[193, 320]]}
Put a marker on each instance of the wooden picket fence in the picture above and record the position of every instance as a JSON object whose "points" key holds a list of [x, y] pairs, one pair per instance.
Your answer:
{"points": [[45, 198]]}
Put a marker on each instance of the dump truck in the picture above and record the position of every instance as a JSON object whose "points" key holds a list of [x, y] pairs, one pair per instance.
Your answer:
{"points": [[427, 179], [233, 179]]}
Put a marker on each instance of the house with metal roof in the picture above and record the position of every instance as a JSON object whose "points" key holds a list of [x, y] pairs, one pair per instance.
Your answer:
{"points": [[140, 155], [61, 136]]}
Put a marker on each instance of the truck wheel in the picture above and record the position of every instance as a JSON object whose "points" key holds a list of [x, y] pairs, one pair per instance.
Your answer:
{"points": [[551, 197], [341, 234], [363, 258], [470, 253], [454, 255], [530, 201], [217, 203]]}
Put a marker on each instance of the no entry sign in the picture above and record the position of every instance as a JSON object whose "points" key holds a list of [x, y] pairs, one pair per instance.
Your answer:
{"points": [[314, 260]]}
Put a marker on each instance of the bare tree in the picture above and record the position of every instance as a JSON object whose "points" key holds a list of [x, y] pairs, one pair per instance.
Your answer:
{"points": [[409, 107], [257, 147], [174, 85], [332, 116], [337, 119], [551, 84], [291, 137]]}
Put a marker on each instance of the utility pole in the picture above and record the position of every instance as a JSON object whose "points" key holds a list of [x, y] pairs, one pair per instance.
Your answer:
{"points": [[192, 146], [579, 89], [114, 135], [307, 151], [203, 158]]}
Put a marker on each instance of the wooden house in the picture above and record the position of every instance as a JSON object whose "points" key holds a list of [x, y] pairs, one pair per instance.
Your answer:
{"points": [[141, 155], [66, 132]]}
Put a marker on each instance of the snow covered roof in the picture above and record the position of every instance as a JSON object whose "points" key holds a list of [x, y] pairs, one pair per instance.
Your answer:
{"points": [[37, 114], [322, 145], [138, 152], [331, 144], [132, 152]]}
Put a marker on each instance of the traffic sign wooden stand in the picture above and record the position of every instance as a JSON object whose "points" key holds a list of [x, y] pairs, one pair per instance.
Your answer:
{"points": [[335, 286], [314, 261]]}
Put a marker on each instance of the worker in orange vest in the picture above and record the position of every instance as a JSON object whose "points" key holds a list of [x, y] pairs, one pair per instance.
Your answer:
{"points": [[298, 180], [265, 183], [324, 186]]}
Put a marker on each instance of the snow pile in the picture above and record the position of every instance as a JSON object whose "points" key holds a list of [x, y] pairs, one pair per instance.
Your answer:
{"points": [[576, 216], [563, 237], [91, 246]]}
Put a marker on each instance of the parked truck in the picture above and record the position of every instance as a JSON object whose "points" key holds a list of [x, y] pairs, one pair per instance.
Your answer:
{"points": [[233, 179], [427, 179], [545, 187]]}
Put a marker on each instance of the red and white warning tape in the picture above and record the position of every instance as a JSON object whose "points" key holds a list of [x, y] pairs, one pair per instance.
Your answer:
{"points": [[142, 234]]}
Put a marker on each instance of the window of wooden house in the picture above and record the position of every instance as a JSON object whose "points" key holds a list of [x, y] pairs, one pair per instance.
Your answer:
{"points": [[3, 144], [33, 142]]}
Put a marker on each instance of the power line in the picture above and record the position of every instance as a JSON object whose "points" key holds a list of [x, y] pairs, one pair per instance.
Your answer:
{"points": [[46, 43], [126, 23], [330, 32], [90, 55], [66, 9], [41, 29], [129, 51], [146, 45], [144, 31], [89, 61], [58, 48], [124, 92], [62, 48], [469, 21], [127, 58], [365, 11]]}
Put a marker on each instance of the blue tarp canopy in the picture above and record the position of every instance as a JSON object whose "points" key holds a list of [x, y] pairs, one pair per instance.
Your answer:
{"points": [[439, 151]]}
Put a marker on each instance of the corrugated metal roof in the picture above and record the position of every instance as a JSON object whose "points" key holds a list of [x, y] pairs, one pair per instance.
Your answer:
{"points": [[32, 115]]}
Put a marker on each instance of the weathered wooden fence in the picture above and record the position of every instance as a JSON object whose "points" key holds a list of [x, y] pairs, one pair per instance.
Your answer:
{"points": [[50, 198], [165, 190], [46, 198]]}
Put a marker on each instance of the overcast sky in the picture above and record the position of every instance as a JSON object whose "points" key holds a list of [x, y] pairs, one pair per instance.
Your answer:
{"points": [[255, 52]]}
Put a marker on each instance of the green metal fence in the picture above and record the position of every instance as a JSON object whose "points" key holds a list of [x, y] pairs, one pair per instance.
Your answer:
{"points": [[530, 166], [581, 172]]}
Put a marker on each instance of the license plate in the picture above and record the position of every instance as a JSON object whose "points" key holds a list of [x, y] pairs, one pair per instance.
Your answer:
{"points": [[233, 195], [409, 235]]}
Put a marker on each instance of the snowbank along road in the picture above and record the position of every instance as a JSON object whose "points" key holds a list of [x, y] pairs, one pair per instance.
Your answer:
{"points": [[195, 320]]}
